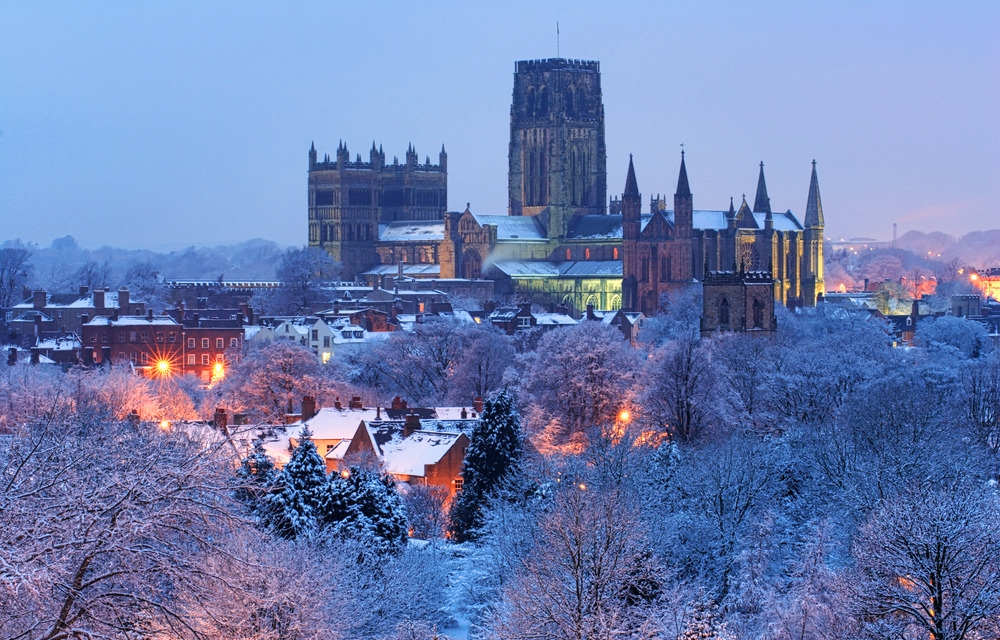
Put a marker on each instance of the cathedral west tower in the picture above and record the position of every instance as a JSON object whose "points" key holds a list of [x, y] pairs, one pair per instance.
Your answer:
{"points": [[558, 161]]}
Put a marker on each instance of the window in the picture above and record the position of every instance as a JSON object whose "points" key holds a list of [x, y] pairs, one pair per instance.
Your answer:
{"points": [[567, 254], [204, 358], [191, 344], [758, 314], [524, 323], [104, 338], [234, 342], [171, 337], [204, 343], [614, 252], [220, 343], [132, 335], [144, 336], [145, 358], [724, 314], [93, 337], [159, 336], [121, 337], [190, 358], [457, 482], [586, 253], [315, 334], [326, 341]]}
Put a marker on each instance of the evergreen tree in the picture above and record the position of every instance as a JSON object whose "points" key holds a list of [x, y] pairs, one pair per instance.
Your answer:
{"points": [[704, 623], [494, 451], [289, 509], [255, 478], [362, 505]]}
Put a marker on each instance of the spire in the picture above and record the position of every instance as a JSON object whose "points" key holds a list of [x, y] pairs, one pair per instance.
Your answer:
{"points": [[731, 214], [631, 186], [814, 206], [762, 204], [682, 179], [312, 146]]}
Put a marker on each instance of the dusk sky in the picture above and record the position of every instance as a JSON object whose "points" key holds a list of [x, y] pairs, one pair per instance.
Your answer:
{"points": [[163, 125]]}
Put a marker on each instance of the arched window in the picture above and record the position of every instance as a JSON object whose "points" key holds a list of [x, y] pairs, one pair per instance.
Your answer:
{"points": [[592, 301], [529, 101], [571, 101], [724, 314], [758, 314], [616, 303], [543, 102], [568, 255], [586, 253], [615, 253]]}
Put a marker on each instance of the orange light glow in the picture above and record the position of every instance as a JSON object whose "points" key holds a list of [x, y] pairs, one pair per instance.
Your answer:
{"points": [[165, 424], [973, 276], [582, 486], [346, 473], [624, 416]]}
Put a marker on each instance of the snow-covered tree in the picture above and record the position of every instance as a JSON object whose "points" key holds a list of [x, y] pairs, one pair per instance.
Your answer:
{"points": [[680, 392], [300, 271], [100, 530], [362, 504], [578, 378], [495, 448], [965, 337], [15, 270], [588, 574], [290, 507], [269, 379], [927, 564], [705, 622], [255, 478]]}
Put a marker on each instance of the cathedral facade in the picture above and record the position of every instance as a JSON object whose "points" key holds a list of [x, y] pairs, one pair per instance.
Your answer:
{"points": [[559, 244]]}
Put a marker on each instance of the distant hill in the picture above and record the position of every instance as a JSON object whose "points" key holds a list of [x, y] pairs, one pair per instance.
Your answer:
{"points": [[980, 249], [65, 265]]}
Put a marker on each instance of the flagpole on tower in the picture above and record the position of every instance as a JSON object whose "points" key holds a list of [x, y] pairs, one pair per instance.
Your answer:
{"points": [[557, 39]]}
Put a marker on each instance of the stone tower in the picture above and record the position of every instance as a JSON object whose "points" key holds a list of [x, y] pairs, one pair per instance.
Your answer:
{"points": [[812, 281], [558, 161]]}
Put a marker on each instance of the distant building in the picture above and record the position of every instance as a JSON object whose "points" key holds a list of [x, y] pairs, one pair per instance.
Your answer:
{"points": [[738, 301], [54, 314]]}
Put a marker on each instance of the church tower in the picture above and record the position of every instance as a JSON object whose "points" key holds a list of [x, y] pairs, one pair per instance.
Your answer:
{"points": [[631, 225], [558, 163], [812, 271]]}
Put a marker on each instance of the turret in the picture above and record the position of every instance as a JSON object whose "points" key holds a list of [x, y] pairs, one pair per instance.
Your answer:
{"points": [[312, 155], [375, 157], [631, 204], [731, 215], [443, 160], [343, 157], [813, 285], [683, 203], [411, 156], [762, 204]]}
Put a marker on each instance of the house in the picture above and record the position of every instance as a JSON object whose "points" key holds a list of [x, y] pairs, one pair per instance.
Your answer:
{"points": [[308, 332], [628, 322], [417, 445], [51, 314]]}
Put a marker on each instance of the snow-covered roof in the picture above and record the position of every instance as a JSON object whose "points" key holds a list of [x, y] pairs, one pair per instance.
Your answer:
{"points": [[409, 456], [412, 231], [129, 321], [415, 270], [596, 227], [518, 228], [554, 319], [75, 301], [62, 343]]}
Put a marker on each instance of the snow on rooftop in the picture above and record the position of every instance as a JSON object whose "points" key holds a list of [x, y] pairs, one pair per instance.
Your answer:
{"points": [[124, 321], [412, 231], [408, 456]]}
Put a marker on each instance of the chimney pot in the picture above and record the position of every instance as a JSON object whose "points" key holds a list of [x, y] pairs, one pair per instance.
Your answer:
{"points": [[477, 404], [411, 424], [308, 407]]}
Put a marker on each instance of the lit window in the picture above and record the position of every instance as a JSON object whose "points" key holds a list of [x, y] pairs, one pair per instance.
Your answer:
{"points": [[145, 358], [171, 337], [159, 336], [190, 358]]}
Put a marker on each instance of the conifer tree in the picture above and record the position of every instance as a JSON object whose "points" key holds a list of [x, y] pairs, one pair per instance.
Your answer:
{"points": [[495, 448], [362, 504], [290, 508], [255, 478], [704, 623]]}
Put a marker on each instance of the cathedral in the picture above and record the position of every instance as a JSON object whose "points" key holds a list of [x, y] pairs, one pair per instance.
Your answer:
{"points": [[560, 242]]}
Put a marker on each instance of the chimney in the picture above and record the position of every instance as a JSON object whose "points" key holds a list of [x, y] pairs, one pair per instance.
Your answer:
{"points": [[84, 318], [38, 325], [88, 356], [477, 404], [149, 315], [464, 414], [411, 424], [239, 318], [398, 403], [356, 403], [83, 290], [38, 299], [123, 300], [106, 356], [337, 405], [308, 407], [196, 317], [98, 298], [12, 356], [221, 420], [36, 355]]}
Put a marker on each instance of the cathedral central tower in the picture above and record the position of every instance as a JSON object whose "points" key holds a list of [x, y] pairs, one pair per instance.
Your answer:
{"points": [[558, 161]]}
